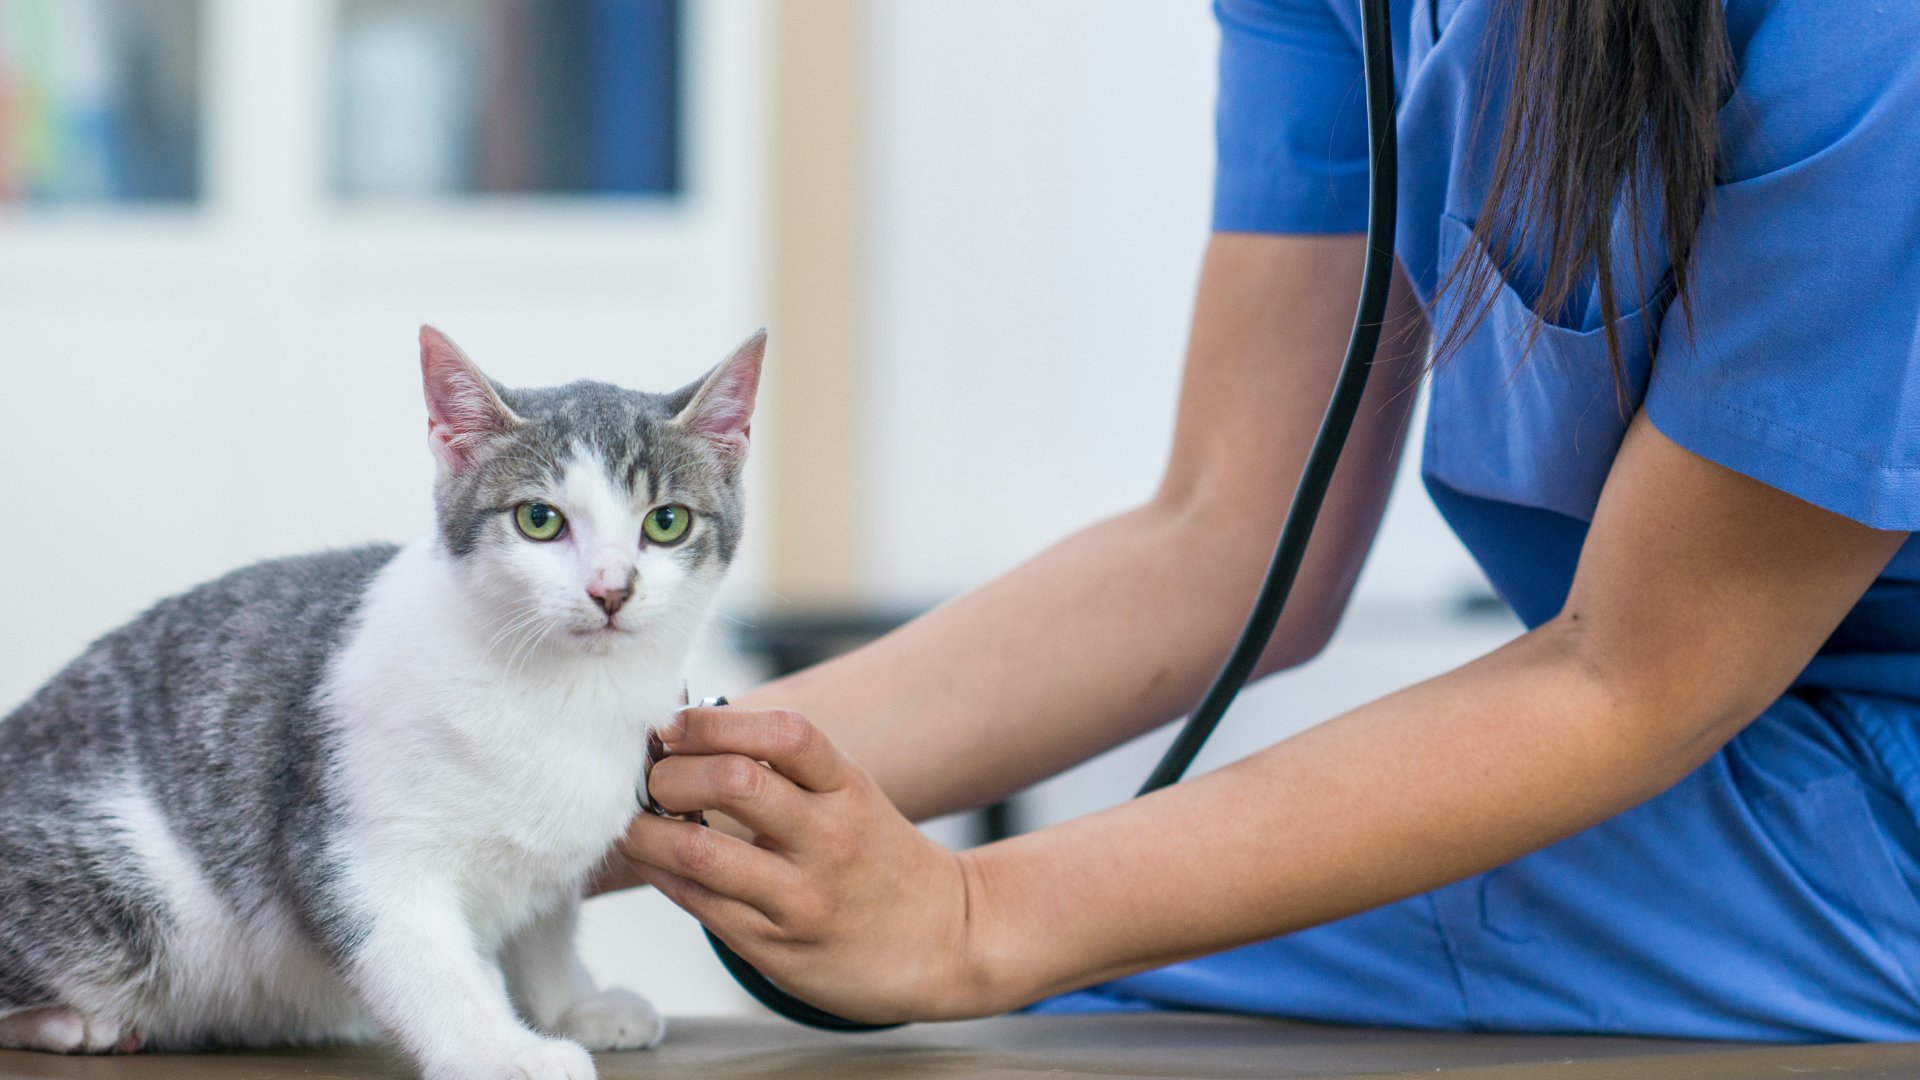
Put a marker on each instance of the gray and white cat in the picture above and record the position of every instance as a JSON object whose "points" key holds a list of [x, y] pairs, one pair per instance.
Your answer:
{"points": [[331, 796]]}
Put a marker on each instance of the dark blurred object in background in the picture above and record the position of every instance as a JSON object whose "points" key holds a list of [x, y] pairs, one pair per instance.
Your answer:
{"points": [[567, 97], [100, 100]]}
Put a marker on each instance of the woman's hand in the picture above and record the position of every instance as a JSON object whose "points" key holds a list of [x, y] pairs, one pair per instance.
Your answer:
{"points": [[837, 898]]}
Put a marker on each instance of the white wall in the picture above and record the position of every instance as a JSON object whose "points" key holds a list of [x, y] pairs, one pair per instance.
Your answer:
{"points": [[1041, 182], [1040, 194]]}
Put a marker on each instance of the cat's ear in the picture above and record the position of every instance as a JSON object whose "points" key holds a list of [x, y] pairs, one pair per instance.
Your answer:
{"points": [[464, 413], [720, 409]]}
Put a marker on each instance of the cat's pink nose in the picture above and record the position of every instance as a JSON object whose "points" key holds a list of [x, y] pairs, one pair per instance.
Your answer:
{"points": [[610, 596]]}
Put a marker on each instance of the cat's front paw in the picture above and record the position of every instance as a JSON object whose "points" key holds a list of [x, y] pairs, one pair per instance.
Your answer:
{"points": [[614, 1020], [529, 1059]]}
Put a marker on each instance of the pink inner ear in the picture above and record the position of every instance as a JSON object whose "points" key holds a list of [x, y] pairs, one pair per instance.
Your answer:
{"points": [[723, 409], [462, 409], [724, 412]]}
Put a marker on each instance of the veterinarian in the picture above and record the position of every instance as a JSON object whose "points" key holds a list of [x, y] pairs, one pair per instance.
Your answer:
{"points": [[1666, 257]]}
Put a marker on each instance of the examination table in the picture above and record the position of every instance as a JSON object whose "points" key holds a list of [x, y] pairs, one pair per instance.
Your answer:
{"points": [[1142, 1047]]}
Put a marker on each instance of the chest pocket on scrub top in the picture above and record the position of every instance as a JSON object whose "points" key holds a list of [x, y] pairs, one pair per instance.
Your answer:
{"points": [[1537, 427]]}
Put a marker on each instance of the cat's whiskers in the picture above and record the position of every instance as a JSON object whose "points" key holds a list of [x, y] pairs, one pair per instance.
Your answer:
{"points": [[524, 633], [743, 623], [536, 634], [529, 609], [519, 618], [763, 583], [512, 637], [522, 608]]}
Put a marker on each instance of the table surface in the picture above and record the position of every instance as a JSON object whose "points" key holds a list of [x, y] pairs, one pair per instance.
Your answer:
{"points": [[1139, 1046]]}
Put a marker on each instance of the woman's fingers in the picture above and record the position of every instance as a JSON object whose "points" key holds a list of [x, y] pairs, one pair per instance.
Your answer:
{"points": [[721, 864], [838, 898], [765, 802], [725, 916], [785, 740]]}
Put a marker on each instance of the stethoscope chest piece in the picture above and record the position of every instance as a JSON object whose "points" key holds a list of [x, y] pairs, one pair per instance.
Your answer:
{"points": [[657, 752]]}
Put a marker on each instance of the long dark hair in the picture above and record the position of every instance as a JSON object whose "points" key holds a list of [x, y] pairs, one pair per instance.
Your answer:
{"points": [[1607, 98]]}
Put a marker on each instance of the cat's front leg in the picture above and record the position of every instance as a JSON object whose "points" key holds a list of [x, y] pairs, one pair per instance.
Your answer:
{"points": [[423, 979], [556, 994]]}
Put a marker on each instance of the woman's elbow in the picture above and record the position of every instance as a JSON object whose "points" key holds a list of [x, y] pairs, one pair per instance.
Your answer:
{"points": [[1663, 711], [1235, 550], [1302, 634]]}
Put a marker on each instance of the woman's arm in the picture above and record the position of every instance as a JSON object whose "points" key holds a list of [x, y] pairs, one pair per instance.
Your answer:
{"points": [[1699, 596], [1117, 629]]}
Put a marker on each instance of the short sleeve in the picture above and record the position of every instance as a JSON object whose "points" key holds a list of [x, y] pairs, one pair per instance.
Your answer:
{"points": [[1290, 123], [1800, 366]]}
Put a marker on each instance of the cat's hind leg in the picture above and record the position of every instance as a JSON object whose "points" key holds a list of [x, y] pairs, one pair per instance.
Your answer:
{"points": [[63, 1029], [72, 931], [556, 994]]}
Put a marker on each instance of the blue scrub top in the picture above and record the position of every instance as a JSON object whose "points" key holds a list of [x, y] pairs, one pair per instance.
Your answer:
{"points": [[1801, 366]]}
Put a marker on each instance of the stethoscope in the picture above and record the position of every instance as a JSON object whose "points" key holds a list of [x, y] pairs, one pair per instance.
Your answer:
{"points": [[1377, 59]]}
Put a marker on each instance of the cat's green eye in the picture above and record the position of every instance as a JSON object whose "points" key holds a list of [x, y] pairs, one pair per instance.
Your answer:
{"points": [[538, 521], [667, 524]]}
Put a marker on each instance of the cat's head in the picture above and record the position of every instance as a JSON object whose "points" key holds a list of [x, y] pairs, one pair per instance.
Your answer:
{"points": [[587, 517]]}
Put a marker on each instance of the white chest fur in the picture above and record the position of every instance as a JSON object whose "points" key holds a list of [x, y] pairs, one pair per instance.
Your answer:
{"points": [[502, 777]]}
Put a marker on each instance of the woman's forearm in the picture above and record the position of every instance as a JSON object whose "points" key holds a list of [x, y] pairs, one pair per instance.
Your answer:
{"points": [[1116, 629], [1106, 635], [1096, 639], [1441, 780]]}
